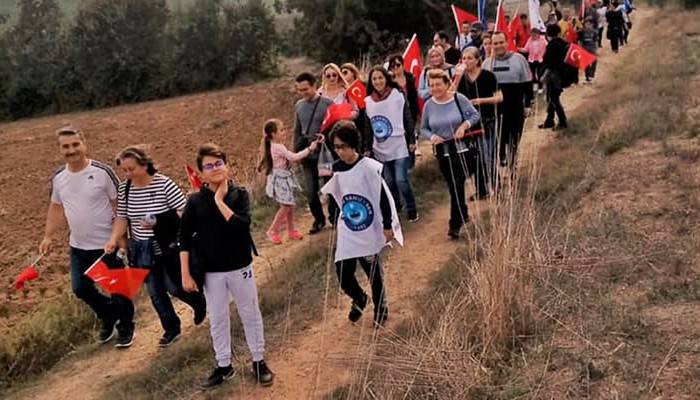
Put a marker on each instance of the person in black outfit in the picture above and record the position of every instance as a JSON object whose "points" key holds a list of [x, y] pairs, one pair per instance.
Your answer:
{"points": [[616, 25], [554, 64], [452, 55], [481, 88]]}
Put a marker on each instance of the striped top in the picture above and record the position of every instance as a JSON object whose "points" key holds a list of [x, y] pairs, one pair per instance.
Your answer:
{"points": [[161, 195]]}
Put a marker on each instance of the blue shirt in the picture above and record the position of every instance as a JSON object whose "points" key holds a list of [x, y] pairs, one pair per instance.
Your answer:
{"points": [[444, 119]]}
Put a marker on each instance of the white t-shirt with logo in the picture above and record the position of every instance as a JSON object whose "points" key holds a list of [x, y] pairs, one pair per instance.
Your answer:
{"points": [[386, 118], [86, 197], [358, 193]]}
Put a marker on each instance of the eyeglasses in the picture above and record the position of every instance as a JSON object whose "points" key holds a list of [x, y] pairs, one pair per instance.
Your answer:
{"points": [[340, 146], [331, 75], [212, 166]]}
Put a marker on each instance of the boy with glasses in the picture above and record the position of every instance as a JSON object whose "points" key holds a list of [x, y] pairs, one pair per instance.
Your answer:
{"points": [[215, 240]]}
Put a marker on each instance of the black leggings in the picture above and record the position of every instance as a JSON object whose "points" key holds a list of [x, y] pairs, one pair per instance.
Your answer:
{"points": [[454, 170], [348, 282]]}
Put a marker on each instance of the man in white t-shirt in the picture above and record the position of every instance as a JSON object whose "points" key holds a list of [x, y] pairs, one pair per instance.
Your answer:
{"points": [[84, 191]]}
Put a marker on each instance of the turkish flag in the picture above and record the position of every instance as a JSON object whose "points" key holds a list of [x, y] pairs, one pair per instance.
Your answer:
{"points": [[192, 176], [412, 63], [28, 274], [501, 25], [578, 57], [357, 92], [461, 17], [122, 281], [335, 113], [513, 29]]}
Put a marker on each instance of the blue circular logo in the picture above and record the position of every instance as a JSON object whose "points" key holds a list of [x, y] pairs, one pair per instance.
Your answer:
{"points": [[358, 213], [382, 127]]}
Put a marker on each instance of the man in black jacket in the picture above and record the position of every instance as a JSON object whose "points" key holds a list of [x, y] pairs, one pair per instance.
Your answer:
{"points": [[216, 227], [554, 68]]}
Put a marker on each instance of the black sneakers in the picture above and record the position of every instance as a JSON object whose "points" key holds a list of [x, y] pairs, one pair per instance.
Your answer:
{"points": [[316, 228], [262, 373], [413, 217], [168, 339], [453, 233], [107, 331], [125, 338], [218, 376], [356, 309]]}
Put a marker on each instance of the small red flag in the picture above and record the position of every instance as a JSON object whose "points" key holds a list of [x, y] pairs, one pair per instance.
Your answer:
{"points": [[461, 17], [357, 92], [501, 25], [121, 281], [28, 274], [192, 176], [335, 113], [578, 57]]}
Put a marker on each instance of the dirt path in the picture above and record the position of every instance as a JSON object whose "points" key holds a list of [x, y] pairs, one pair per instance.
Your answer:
{"points": [[317, 362]]}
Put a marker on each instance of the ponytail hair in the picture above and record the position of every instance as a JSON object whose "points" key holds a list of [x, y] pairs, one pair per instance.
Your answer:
{"points": [[271, 126]]}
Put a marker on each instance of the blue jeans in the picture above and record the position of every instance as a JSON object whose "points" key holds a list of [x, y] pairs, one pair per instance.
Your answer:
{"points": [[161, 284], [396, 176], [107, 309]]}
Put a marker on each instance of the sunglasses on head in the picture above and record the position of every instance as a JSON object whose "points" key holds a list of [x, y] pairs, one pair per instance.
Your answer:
{"points": [[212, 166]]}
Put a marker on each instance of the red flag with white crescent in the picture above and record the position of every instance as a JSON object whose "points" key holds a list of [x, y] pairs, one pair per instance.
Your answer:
{"points": [[412, 63], [578, 57], [357, 92]]}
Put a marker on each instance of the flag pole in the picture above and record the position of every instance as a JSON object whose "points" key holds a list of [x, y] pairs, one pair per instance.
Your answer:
{"points": [[95, 263], [41, 255], [454, 14], [408, 47]]}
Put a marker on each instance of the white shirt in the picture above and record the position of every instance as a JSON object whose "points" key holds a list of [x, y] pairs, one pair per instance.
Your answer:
{"points": [[86, 197], [386, 118], [360, 227]]}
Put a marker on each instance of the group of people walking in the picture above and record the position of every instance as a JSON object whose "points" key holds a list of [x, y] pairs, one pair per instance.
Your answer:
{"points": [[470, 103]]}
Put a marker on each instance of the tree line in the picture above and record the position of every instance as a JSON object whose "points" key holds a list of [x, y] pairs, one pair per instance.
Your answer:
{"points": [[119, 51]]}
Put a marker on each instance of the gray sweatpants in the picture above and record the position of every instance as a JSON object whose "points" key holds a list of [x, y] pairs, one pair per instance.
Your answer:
{"points": [[219, 287]]}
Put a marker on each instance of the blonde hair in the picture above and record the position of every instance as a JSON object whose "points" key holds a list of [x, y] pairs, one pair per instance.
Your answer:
{"points": [[436, 73], [353, 68], [335, 68], [475, 53], [436, 49]]}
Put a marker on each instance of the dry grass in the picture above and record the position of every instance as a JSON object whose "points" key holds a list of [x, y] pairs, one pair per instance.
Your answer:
{"points": [[572, 288]]}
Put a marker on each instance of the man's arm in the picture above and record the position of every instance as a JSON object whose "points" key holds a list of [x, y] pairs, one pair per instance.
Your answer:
{"points": [[54, 222]]}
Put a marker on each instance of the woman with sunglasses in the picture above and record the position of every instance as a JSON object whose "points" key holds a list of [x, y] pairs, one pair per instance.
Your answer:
{"points": [[334, 87], [390, 129], [149, 206], [436, 60], [447, 117], [406, 82]]}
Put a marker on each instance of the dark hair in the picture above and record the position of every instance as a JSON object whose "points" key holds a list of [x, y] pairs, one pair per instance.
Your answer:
{"points": [[306, 77], [271, 126], [443, 35], [523, 16], [499, 33], [553, 30], [138, 154], [346, 132], [395, 57], [211, 150], [389, 81]]}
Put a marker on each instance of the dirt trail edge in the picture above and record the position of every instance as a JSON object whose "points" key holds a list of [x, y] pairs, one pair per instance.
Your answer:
{"points": [[316, 362]]}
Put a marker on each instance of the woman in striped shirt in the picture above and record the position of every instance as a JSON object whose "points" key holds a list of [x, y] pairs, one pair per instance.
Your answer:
{"points": [[144, 200]]}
